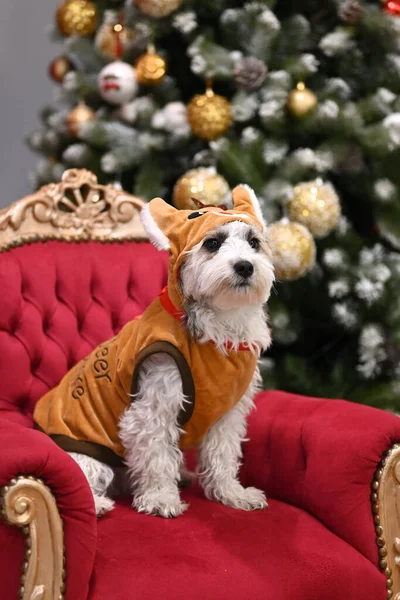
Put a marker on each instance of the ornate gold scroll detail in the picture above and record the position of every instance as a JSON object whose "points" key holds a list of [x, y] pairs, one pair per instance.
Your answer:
{"points": [[28, 504], [76, 209]]}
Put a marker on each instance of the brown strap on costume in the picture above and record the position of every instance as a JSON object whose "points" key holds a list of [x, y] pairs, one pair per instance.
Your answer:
{"points": [[187, 380], [97, 451]]}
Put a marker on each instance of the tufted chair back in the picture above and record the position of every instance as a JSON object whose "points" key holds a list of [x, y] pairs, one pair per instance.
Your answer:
{"points": [[75, 266]]}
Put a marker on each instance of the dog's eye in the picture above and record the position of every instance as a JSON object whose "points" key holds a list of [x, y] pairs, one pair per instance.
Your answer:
{"points": [[212, 244], [197, 213], [254, 243]]}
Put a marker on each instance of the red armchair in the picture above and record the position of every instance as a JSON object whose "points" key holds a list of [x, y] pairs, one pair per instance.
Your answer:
{"points": [[326, 534]]}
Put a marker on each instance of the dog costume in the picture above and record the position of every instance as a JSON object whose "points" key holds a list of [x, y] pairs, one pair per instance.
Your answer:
{"points": [[83, 412]]}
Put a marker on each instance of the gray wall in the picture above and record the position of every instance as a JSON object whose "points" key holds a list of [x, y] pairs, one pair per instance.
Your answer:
{"points": [[25, 52]]}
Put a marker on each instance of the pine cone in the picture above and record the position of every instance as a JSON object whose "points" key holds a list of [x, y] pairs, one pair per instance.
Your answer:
{"points": [[350, 12], [392, 351], [250, 73], [353, 162]]}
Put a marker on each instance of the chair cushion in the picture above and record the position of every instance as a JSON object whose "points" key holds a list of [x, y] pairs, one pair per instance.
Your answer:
{"points": [[320, 455], [282, 553], [58, 301]]}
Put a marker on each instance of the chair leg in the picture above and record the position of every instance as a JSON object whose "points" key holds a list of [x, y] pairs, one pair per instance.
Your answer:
{"points": [[27, 503], [385, 499]]}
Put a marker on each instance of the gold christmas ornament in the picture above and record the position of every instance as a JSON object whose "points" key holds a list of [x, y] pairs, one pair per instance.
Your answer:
{"points": [[79, 115], [105, 40], [59, 67], [150, 67], [209, 115], [157, 8], [316, 205], [203, 184], [293, 249], [301, 100], [77, 17]]}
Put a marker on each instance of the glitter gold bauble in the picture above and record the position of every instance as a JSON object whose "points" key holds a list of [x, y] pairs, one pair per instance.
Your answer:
{"points": [[157, 8], [301, 100], [203, 184], [59, 67], [293, 249], [77, 17], [79, 115], [316, 205], [105, 40], [209, 115], [150, 68]]}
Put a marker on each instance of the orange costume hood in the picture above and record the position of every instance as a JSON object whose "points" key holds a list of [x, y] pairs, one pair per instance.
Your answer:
{"points": [[181, 230]]}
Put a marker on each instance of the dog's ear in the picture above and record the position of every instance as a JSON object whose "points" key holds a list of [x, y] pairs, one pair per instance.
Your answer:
{"points": [[245, 200], [156, 218]]}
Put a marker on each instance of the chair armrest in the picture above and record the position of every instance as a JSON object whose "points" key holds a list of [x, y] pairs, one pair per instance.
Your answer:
{"points": [[46, 494], [320, 455]]}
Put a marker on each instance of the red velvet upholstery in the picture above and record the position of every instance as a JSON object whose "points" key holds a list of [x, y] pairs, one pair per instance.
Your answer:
{"points": [[315, 457], [217, 553], [320, 455], [26, 451], [58, 301]]}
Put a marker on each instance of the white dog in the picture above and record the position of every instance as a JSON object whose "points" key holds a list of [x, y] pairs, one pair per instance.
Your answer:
{"points": [[225, 281]]}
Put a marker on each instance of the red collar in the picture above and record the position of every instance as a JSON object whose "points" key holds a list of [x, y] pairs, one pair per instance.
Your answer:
{"points": [[167, 304]]}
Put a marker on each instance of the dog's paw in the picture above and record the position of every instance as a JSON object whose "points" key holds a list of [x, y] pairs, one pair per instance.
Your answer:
{"points": [[240, 497], [103, 505], [160, 504]]}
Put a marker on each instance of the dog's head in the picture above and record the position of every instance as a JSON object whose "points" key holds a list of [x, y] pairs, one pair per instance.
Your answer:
{"points": [[217, 257]]}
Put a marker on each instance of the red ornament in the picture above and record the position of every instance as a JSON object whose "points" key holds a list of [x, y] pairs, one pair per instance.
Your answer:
{"points": [[392, 7], [59, 67]]}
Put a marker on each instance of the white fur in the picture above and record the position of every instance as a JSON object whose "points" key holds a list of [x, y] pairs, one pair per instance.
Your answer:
{"points": [[255, 203], [221, 453], [222, 312], [150, 435], [235, 327], [210, 279], [156, 236], [100, 478]]}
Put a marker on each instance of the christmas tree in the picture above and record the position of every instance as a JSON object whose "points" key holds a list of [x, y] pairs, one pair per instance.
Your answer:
{"points": [[186, 98]]}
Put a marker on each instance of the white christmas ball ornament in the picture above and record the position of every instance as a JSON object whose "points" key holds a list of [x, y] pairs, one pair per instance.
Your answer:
{"points": [[117, 82]]}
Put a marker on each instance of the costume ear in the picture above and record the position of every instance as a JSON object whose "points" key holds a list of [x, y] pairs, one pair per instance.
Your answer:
{"points": [[155, 217], [245, 200]]}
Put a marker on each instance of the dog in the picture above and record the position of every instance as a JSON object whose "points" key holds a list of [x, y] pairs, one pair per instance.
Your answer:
{"points": [[190, 380]]}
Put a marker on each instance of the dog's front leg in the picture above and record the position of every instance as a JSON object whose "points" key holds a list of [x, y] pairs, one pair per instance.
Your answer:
{"points": [[220, 456], [150, 435]]}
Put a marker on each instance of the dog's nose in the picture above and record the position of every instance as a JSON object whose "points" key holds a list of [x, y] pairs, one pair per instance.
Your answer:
{"points": [[244, 268]]}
